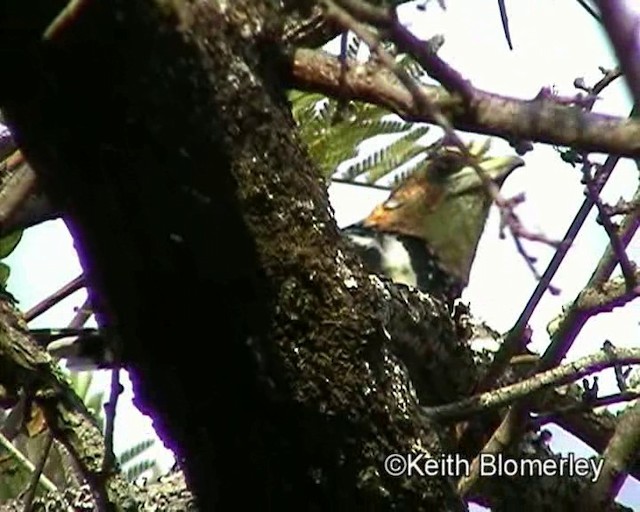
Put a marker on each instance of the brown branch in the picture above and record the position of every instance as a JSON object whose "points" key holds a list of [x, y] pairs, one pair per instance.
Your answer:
{"points": [[540, 119], [554, 416], [514, 422], [621, 23], [597, 296], [61, 294], [81, 316], [620, 455], [109, 459], [37, 473], [22, 202], [617, 246], [387, 21], [557, 376], [628, 228]]}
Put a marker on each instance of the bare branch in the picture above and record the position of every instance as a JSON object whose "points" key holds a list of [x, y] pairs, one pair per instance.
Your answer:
{"points": [[621, 23], [46, 304], [628, 228], [514, 340], [619, 456], [505, 22], [37, 473], [15, 453], [109, 459], [557, 376], [539, 119], [603, 401], [616, 244]]}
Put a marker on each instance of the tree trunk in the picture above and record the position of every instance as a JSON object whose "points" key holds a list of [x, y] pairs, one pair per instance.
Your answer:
{"points": [[162, 131]]}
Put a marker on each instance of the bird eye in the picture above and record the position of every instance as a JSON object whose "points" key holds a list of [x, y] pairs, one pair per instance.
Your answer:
{"points": [[445, 165]]}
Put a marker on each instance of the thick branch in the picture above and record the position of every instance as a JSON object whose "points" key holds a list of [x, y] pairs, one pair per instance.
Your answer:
{"points": [[541, 119]]}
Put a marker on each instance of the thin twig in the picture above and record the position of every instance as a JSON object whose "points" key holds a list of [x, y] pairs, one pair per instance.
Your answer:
{"points": [[37, 473], [47, 484], [46, 304], [513, 342], [504, 18], [82, 316], [622, 374], [543, 418], [109, 460], [588, 8], [626, 266], [64, 18], [627, 231], [557, 376], [514, 422], [387, 20], [599, 295]]}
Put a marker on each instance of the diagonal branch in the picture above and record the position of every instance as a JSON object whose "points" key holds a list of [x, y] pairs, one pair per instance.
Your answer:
{"points": [[557, 376], [616, 244], [71, 287], [619, 457]]}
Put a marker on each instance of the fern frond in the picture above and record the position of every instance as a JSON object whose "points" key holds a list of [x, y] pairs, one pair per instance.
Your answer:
{"points": [[131, 453], [353, 47], [384, 161], [134, 472]]}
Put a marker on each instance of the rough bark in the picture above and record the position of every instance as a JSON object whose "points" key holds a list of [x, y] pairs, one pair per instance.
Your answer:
{"points": [[160, 129], [274, 367]]}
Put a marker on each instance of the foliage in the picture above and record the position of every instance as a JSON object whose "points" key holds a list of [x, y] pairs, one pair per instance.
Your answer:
{"points": [[7, 246], [59, 467], [333, 131]]}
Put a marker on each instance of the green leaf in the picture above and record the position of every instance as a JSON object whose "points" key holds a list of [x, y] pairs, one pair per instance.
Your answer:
{"points": [[9, 243], [5, 271]]}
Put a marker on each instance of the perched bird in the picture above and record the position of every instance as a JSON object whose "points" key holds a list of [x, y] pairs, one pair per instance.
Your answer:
{"points": [[426, 233]]}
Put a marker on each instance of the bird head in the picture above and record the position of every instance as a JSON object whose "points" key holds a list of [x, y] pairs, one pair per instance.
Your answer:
{"points": [[445, 204]]}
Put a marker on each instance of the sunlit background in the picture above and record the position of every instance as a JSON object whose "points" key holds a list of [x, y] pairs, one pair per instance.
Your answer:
{"points": [[555, 42]]}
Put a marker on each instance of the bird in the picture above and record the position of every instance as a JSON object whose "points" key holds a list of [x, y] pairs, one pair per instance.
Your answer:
{"points": [[426, 233]]}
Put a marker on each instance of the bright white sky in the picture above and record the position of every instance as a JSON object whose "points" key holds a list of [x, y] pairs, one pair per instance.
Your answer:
{"points": [[555, 42]]}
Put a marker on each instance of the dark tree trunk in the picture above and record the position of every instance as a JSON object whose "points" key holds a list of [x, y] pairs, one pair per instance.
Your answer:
{"points": [[162, 131]]}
